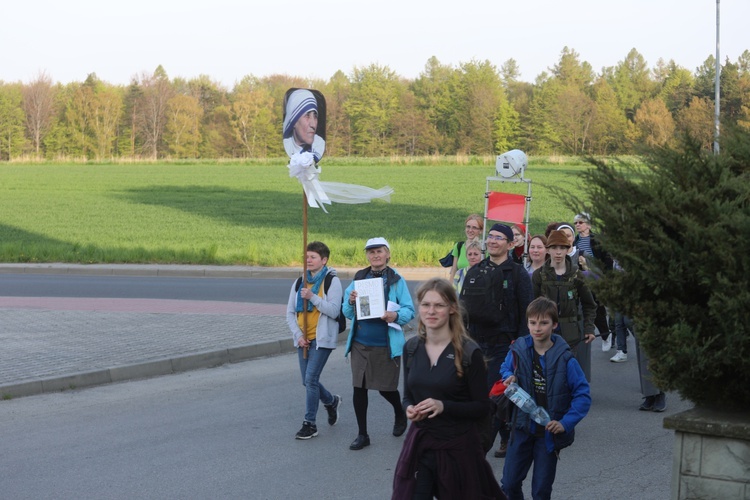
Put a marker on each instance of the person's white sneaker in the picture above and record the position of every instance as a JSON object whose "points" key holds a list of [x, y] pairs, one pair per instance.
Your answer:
{"points": [[619, 357], [606, 345]]}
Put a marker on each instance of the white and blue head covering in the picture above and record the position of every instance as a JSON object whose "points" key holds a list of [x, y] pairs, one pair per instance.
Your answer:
{"points": [[300, 102]]}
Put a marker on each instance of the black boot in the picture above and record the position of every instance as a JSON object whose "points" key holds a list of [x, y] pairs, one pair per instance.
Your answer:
{"points": [[399, 426]]}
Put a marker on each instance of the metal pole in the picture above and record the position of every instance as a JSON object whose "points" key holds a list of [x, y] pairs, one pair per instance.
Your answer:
{"points": [[526, 257], [484, 225], [717, 96]]}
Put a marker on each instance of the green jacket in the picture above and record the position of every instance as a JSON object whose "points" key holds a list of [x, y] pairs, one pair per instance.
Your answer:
{"points": [[572, 296]]}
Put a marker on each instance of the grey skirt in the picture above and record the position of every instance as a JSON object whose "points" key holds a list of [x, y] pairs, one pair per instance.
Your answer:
{"points": [[373, 368]]}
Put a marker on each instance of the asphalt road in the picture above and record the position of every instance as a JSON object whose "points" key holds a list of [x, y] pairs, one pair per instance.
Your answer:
{"points": [[256, 290], [228, 432]]}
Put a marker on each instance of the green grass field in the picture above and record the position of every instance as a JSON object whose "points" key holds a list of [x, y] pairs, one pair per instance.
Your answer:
{"points": [[232, 213]]}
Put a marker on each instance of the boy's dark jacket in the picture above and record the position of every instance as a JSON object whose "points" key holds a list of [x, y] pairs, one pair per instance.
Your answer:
{"points": [[568, 393], [568, 292]]}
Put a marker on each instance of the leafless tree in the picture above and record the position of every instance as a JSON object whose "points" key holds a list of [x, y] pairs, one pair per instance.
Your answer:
{"points": [[152, 109], [38, 104]]}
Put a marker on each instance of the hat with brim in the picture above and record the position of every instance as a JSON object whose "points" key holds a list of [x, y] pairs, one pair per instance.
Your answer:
{"points": [[557, 238], [376, 243]]}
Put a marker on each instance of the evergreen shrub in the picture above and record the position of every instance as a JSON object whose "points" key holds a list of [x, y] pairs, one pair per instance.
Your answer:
{"points": [[680, 229]]}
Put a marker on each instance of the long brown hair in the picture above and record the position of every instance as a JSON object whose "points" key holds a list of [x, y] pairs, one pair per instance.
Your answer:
{"points": [[455, 322]]}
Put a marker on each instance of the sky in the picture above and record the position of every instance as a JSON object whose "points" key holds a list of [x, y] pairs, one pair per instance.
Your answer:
{"points": [[230, 39]]}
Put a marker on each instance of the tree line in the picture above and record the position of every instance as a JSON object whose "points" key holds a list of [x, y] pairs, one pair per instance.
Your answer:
{"points": [[473, 108]]}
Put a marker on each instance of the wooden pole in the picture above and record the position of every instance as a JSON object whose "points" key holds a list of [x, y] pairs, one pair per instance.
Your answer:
{"points": [[304, 268]]}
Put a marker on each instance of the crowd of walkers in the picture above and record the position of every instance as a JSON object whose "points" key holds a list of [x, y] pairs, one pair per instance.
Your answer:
{"points": [[517, 311]]}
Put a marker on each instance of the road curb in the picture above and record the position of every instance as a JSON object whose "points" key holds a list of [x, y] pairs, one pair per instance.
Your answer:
{"points": [[152, 368], [193, 271], [147, 369]]}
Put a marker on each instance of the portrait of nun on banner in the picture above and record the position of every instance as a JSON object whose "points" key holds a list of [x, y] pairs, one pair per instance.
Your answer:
{"points": [[304, 136], [305, 123]]}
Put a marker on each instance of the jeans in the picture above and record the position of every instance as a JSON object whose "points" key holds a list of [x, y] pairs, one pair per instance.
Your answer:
{"points": [[622, 323], [524, 449], [311, 368]]}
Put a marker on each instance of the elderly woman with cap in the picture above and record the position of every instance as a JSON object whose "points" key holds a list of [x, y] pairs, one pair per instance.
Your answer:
{"points": [[374, 344], [301, 125], [561, 282]]}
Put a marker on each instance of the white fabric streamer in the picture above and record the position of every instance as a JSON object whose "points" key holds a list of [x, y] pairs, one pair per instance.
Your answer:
{"points": [[302, 166]]}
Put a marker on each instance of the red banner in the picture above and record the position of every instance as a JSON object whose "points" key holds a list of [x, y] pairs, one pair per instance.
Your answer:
{"points": [[506, 207]]}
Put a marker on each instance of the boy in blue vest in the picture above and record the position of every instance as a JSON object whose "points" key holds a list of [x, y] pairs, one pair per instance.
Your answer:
{"points": [[541, 363]]}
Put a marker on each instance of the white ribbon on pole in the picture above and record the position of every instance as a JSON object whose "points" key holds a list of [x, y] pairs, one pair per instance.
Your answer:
{"points": [[303, 167]]}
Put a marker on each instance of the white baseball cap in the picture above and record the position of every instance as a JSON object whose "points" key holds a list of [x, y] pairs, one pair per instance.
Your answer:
{"points": [[376, 242]]}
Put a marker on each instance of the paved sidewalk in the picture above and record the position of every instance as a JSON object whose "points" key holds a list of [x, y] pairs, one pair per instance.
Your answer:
{"points": [[53, 344]]}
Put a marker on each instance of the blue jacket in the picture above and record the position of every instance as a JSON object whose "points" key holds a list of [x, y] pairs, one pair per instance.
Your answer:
{"points": [[398, 292], [568, 392]]}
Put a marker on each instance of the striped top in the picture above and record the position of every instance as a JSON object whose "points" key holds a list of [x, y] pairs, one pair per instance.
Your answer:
{"points": [[584, 245]]}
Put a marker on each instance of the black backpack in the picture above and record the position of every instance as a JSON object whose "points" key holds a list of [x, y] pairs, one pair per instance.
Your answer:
{"points": [[326, 285], [483, 296], [447, 261]]}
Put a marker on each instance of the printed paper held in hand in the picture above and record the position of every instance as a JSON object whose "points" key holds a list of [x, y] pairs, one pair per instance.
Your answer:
{"points": [[393, 307], [370, 298]]}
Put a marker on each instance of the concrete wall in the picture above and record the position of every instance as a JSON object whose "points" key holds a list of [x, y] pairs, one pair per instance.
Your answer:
{"points": [[711, 455]]}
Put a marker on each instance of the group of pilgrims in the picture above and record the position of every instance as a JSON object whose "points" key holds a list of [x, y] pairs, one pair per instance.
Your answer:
{"points": [[539, 338], [559, 262]]}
